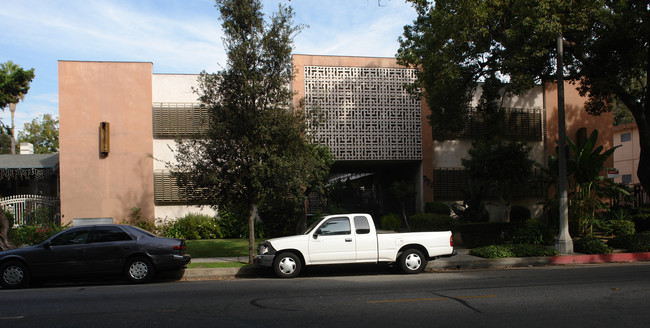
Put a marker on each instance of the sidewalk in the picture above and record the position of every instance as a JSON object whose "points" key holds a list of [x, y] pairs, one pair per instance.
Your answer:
{"points": [[461, 261]]}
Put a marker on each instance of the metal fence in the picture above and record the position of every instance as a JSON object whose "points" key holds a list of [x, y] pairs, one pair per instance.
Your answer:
{"points": [[30, 209]]}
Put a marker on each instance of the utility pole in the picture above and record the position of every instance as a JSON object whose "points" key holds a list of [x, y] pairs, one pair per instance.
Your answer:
{"points": [[564, 243]]}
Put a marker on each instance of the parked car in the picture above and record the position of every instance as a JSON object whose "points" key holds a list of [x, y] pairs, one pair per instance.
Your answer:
{"points": [[93, 251]]}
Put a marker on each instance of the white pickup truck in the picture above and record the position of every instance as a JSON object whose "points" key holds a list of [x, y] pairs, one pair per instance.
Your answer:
{"points": [[352, 238]]}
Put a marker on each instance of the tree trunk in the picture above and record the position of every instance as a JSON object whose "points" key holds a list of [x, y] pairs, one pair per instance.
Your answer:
{"points": [[4, 231], [252, 216]]}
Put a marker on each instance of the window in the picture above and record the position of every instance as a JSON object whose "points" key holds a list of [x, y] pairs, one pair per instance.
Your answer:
{"points": [[335, 226], [361, 224], [627, 178], [108, 234], [72, 237], [626, 137]]}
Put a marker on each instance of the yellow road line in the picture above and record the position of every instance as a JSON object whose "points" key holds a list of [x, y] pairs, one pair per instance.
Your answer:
{"points": [[431, 299]]}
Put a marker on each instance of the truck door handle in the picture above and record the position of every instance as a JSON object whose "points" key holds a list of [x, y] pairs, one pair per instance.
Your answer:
{"points": [[348, 240]]}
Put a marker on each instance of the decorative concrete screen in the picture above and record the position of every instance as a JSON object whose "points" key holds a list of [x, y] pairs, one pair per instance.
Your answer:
{"points": [[366, 113]]}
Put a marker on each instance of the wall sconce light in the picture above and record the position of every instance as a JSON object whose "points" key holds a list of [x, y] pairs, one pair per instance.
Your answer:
{"points": [[104, 138]]}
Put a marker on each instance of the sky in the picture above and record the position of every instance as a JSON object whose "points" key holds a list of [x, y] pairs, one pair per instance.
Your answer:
{"points": [[177, 36]]}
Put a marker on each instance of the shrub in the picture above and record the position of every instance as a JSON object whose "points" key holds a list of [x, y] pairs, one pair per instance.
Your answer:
{"points": [[192, 226], [437, 208], [10, 218], [620, 228], [492, 251], [432, 222], [519, 214], [33, 234], [591, 245], [512, 250], [391, 222], [534, 232], [136, 219], [639, 242]]}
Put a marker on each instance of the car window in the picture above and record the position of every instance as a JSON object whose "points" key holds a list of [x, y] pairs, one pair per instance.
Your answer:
{"points": [[72, 237], [108, 234], [336, 226]]}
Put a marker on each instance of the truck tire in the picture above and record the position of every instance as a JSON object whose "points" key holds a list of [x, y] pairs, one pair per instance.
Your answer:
{"points": [[287, 265], [412, 261]]}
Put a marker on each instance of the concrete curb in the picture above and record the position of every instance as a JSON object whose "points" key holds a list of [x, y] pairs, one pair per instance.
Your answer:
{"points": [[461, 261]]}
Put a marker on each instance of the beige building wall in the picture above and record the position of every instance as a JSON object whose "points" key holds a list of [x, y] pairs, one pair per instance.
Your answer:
{"points": [[168, 89], [92, 185], [626, 157]]}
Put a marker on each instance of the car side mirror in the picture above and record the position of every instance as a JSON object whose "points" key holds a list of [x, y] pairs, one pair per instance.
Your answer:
{"points": [[46, 244]]}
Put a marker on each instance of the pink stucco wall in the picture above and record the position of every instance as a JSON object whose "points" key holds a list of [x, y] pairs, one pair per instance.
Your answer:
{"points": [[94, 186]]}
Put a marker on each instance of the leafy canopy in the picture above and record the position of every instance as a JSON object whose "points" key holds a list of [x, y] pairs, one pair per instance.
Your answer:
{"points": [[510, 45], [43, 134]]}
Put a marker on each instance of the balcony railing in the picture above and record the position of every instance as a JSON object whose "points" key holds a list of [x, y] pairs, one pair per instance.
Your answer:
{"points": [[179, 120], [524, 123], [451, 183]]}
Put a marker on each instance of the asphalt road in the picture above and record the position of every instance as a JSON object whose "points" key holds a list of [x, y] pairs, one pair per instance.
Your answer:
{"points": [[604, 295]]}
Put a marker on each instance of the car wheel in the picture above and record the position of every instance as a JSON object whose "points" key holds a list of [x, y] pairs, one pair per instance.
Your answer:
{"points": [[14, 275], [139, 270], [412, 261], [287, 265]]}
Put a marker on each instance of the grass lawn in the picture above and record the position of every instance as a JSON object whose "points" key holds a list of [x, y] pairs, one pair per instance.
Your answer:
{"points": [[213, 265], [217, 247]]}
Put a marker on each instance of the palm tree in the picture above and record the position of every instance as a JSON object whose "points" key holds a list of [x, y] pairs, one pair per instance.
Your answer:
{"points": [[14, 84]]}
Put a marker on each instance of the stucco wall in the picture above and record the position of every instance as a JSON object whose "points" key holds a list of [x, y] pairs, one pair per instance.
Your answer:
{"points": [[92, 185], [626, 157], [576, 117]]}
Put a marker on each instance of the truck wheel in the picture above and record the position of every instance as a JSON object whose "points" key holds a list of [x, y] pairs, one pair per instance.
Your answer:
{"points": [[287, 265], [412, 261]]}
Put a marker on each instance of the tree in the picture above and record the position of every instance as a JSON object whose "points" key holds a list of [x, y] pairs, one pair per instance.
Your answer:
{"points": [[459, 43], [256, 147], [14, 84], [5, 139], [587, 188], [43, 134]]}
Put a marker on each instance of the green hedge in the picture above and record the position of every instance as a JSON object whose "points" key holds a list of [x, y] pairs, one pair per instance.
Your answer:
{"points": [[534, 232], [192, 226], [433, 222], [391, 222], [512, 250], [437, 208], [639, 242], [591, 245]]}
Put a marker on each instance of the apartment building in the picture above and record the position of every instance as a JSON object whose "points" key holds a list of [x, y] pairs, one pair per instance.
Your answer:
{"points": [[378, 133]]}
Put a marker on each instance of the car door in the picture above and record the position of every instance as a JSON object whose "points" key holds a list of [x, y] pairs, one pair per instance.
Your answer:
{"points": [[109, 247], [332, 242], [65, 254]]}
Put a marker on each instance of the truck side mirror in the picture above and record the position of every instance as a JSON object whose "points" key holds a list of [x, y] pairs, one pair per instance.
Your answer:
{"points": [[318, 232]]}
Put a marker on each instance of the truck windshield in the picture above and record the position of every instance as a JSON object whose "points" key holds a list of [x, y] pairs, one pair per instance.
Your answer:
{"points": [[312, 226]]}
